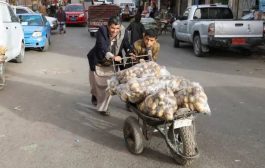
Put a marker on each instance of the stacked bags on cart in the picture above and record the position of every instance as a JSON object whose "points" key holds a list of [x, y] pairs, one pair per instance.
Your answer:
{"points": [[156, 92]]}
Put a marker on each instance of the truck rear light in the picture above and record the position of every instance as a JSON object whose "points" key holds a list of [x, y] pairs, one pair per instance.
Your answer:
{"points": [[211, 29]]}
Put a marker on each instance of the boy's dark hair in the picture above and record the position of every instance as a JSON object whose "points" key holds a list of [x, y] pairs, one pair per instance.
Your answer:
{"points": [[137, 17], [114, 20], [150, 33]]}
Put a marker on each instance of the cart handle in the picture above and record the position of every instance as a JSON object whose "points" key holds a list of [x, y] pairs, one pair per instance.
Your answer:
{"points": [[131, 61]]}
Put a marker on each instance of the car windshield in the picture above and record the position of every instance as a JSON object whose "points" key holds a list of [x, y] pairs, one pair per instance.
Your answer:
{"points": [[31, 20], [74, 8], [102, 1]]}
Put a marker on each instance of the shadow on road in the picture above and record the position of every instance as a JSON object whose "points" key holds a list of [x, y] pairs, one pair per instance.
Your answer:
{"points": [[73, 113]]}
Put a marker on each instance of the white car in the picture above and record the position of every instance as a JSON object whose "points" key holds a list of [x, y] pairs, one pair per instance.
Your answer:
{"points": [[22, 9], [11, 37], [149, 23]]}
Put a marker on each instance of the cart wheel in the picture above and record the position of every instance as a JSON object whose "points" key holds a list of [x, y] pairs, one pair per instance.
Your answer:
{"points": [[133, 135], [92, 34], [185, 144], [2, 76]]}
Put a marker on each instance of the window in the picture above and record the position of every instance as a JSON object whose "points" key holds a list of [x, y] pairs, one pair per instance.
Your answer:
{"points": [[213, 13], [12, 14], [197, 14], [74, 8], [44, 20], [186, 14], [31, 20], [21, 11]]}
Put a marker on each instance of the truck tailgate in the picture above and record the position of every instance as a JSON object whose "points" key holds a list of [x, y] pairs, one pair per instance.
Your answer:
{"points": [[102, 12], [238, 28]]}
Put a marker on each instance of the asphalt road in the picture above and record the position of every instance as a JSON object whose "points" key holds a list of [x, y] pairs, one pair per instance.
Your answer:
{"points": [[47, 120]]}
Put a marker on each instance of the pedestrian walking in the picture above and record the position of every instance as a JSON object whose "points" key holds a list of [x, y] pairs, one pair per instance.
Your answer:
{"points": [[136, 29], [111, 40], [61, 17], [153, 10]]}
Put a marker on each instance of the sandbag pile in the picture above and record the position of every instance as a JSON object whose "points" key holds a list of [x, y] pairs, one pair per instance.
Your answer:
{"points": [[193, 97], [156, 92], [162, 104], [141, 70]]}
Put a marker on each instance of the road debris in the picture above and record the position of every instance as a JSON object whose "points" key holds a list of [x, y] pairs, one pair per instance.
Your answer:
{"points": [[18, 108]]}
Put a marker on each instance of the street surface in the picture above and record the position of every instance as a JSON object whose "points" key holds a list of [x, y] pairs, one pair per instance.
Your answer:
{"points": [[47, 120]]}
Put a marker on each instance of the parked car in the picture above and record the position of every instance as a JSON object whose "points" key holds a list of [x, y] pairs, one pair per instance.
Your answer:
{"points": [[11, 38], [22, 10], [207, 26], [76, 14], [98, 2], [128, 8], [37, 31], [149, 23], [11, 33]]}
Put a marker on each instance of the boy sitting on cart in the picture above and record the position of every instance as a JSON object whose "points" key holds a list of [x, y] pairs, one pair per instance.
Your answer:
{"points": [[148, 45]]}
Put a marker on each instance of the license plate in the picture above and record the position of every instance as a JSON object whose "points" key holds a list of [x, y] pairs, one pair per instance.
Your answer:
{"points": [[73, 19], [238, 41], [182, 123]]}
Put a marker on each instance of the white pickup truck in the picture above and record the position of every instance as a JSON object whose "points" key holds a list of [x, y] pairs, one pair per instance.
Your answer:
{"points": [[11, 38], [209, 26]]}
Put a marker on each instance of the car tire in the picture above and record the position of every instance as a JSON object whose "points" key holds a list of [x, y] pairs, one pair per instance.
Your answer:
{"points": [[46, 46], [92, 34], [2, 76], [197, 46], [173, 33], [20, 57], [176, 42]]}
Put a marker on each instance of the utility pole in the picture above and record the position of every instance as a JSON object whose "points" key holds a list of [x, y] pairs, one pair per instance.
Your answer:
{"points": [[237, 8]]}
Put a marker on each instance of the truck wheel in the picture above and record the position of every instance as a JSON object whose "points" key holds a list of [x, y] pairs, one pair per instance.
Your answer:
{"points": [[20, 57], [2, 76], [197, 46], [185, 143], [133, 135], [176, 42], [92, 34], [46, 46]]}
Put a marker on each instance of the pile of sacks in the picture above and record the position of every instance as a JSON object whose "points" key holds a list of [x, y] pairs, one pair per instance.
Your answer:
{"points": [[2, 54], [156, 92]]}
